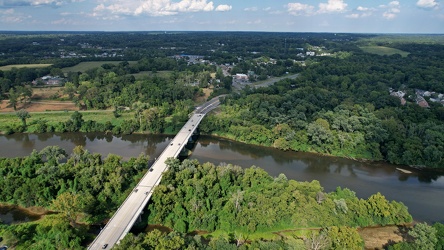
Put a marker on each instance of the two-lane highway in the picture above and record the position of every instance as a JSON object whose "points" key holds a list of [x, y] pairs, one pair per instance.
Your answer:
{"points": [[130, 210]]}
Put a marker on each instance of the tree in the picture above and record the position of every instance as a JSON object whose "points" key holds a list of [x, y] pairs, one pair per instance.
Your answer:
{"points": [[57, 72], [424, 235], [237, 199], [439, 235], [53, 154], [13, 98], [69, 89], [27, 93], [317, 241], [69, 205], [75, 123], [319, 133], [344, 238], [23, 115]]}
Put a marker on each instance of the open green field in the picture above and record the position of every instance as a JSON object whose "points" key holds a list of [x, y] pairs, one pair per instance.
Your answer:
{"points": [[405, 38], [382, 50], [84, 66], [9, 67]]}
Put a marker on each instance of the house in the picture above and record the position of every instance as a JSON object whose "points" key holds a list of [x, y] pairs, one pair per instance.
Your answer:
{"points": [[241, 77], [49, 80], [422, 102], [403, 101], [399, 94]]}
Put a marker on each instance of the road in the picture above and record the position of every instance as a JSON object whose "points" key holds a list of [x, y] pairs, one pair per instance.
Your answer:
{"points": [[130, 210]]}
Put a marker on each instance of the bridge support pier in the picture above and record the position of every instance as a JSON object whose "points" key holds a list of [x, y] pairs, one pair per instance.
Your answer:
{"points": [[139, 219]]}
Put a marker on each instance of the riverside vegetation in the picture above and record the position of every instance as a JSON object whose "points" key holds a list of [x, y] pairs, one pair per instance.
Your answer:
{"points": [[339, 105], [234, 206]]}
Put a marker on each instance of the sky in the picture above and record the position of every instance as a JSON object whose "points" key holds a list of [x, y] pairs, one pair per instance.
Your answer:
{"points": [[353, 16]]}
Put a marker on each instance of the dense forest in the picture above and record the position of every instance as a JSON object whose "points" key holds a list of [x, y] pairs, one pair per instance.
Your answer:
{"points": [[343, 107], [85, 188]]}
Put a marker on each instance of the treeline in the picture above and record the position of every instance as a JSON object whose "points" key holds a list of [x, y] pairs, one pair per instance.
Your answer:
{"points": [[342, 107], [97, 184], [82, 188], [238, 203], [145, 119], [205, 197]]}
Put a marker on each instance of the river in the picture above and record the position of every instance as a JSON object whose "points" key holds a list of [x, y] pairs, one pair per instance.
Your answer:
{"points": [[421, 192]]}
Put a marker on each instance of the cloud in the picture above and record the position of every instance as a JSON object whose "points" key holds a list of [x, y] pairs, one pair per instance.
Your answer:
{"points": [[10, 16], [223, 7], [156, 7], [251, 9], [360, 8], [361, 12], [298, 9], [354, 16], [388, 15], [61, 21], [393, 8], [54, 3], [427, 4], [332, 6]]}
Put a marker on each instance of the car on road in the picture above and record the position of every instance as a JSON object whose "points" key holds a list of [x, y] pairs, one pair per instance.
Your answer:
{"points": [[105, 246]]}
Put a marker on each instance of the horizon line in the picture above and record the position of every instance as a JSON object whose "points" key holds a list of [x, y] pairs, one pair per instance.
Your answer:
{"points": [[222, 31]]}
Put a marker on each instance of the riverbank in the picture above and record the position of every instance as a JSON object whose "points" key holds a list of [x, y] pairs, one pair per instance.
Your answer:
{"points": [[10, 214], [402, 168], [376, 237]]}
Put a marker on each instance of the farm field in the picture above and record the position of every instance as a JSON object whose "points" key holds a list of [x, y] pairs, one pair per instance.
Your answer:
{"points": [[84, 66], [382, 50], [42, 100], [38, 106], [9, 67]]}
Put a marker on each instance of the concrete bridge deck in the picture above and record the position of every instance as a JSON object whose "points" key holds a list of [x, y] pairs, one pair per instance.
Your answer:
{"points": [[130, 210]]}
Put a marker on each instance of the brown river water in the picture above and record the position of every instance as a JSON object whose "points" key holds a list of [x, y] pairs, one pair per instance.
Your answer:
{"points": [[422, 192]]}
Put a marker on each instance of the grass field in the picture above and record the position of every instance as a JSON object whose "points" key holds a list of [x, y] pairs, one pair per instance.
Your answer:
{"points": [[405, 38], [382, 50], [84, 66], [9, 67]]}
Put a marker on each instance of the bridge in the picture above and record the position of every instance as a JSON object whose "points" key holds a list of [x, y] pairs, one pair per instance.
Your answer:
{"points": [[131, 209]]}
